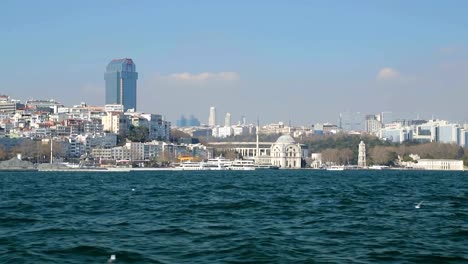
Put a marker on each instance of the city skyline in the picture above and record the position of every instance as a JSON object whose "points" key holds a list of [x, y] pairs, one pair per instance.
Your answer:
{"points": [[305, 62]]}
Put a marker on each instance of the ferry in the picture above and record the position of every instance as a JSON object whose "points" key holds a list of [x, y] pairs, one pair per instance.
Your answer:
{"points": [[266, 167], [335, 168], [219, 162], [211, 164], [239, 164]]}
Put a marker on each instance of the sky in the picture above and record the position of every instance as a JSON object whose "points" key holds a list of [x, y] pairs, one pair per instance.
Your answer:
{"points": [[292, 61]]}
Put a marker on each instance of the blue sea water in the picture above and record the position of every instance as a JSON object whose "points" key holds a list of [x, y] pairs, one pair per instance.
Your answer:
{"points": [[283, 216]]}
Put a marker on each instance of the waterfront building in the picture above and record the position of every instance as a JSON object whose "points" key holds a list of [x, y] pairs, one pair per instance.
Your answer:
{"points": [[316, 160], [121, 83], [362, 155], [286, 153], [439, 164], [212, 117]]}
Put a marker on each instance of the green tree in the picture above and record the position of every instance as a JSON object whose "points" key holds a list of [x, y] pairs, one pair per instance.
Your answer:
{"points": [[138, 134]]}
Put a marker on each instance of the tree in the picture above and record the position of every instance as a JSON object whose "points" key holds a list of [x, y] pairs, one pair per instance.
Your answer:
{"points": [[177, 134], [330, 156], [138, 134], [3, 153], [383, 155]]}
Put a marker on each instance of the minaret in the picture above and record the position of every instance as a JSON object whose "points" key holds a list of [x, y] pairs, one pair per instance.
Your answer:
{"points": [[257, 146], [362, 155], [51, 150]]}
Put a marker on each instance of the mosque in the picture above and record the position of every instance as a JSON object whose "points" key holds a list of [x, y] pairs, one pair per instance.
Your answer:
{"points": [[286, 153]]}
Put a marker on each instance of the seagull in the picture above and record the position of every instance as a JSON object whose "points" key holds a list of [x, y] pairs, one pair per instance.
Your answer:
{"points": [[133, 190], [111, 259], [418, 205]]}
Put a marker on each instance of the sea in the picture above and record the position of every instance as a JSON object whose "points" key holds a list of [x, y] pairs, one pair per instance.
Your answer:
{"points": [[262, 216]]}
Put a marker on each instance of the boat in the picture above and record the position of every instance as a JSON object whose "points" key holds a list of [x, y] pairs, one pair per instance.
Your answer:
{"points": [[191, 165], [240, 164], [220, 163], [335, 168], [266, 167]]}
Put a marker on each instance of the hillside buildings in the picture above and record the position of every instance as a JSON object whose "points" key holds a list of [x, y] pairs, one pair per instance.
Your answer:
{"points": [[429, 131]]}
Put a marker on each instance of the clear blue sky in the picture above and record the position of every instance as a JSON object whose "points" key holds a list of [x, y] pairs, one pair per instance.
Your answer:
{"points": [[303, 61]]}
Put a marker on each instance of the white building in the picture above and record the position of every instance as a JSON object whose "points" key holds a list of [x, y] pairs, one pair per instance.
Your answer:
{"points": [[439, 164], [316, 160], [212, 117], [396, 133], [286, 153], [115, 122], [373, 124], [227, 120]]}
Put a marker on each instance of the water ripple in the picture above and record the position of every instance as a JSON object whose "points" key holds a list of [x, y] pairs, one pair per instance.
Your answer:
{"points": [[234, 217]]}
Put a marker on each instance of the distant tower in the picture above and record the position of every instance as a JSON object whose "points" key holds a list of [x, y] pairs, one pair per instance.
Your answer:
{"points": [[362, 155], [227, 120], [340, 120], [244, 120], [212, 117], [121, 83]]}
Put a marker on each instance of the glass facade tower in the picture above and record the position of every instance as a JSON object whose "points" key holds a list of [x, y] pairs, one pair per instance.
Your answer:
{"points": [[121, 83]]}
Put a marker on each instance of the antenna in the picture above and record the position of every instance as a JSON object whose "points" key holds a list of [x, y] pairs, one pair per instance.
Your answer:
{"points": [[340, 120]]}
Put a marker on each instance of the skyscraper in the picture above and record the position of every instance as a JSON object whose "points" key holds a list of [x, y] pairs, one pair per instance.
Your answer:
{"points": [[212, 117], [121, 83], [227, 120]]}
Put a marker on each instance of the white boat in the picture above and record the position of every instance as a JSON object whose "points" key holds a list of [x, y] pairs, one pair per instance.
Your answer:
{"points": [[266, 167], [378, 167], [335, 168], [239, 164], [220, 163], [190, 165], [210, 165]]}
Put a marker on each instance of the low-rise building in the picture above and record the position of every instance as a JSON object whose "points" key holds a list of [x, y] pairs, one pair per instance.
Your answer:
{"points": [[439, 164]]}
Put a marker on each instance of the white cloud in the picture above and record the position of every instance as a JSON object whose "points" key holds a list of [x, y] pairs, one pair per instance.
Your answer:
{"points": [[451, 50], [205, 76], [388, 74]]}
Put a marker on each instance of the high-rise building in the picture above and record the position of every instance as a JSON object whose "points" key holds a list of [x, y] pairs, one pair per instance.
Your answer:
{"points": [[227, 120], [373, 124], [212, 117], [121, 83]]}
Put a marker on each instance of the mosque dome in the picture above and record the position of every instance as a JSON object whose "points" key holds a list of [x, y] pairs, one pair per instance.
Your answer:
{"points": [[285, 139]]}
